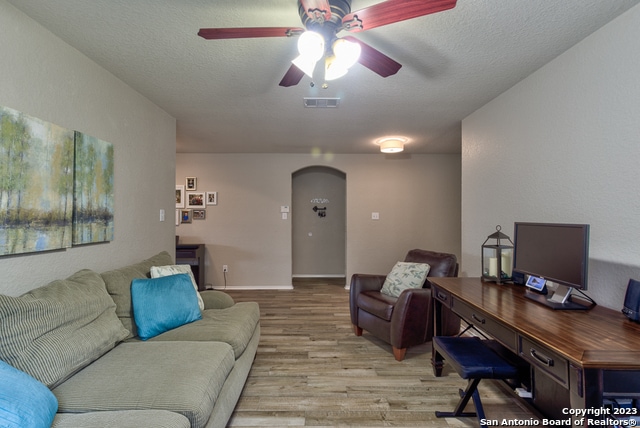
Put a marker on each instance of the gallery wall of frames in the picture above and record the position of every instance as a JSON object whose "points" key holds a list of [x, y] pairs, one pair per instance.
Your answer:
{"points": [[191, 204], [56, 186]]}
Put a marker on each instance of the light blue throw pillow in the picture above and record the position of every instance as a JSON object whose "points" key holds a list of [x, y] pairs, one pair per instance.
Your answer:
{"points": [[403, 276], [162, 304], [24, 401]]}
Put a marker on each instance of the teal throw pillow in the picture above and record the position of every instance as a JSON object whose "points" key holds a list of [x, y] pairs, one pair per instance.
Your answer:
{"points": [[403, 276], [162, 304], [24, 401]]}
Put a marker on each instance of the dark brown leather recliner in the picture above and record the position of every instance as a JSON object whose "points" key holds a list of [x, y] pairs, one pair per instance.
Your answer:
{"points": [[407, 320]]}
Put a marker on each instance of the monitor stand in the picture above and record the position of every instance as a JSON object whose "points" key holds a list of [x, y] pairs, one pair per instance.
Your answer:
{"points": [[559, 299]]}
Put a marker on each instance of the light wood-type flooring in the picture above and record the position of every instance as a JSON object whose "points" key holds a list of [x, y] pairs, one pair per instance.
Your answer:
{"points": [[311, 370]]}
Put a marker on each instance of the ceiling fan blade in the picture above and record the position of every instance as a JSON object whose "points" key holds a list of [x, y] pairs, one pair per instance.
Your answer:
{"points": [[239, 33], [317, 10], [390, 11], [292, 77], [375, 60]]}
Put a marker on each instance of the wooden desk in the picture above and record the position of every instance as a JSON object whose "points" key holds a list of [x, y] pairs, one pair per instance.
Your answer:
{"points": [[580, 358]]}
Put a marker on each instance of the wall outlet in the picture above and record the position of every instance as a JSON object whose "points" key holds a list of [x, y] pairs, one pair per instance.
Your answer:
{"points": [[225, 268]]}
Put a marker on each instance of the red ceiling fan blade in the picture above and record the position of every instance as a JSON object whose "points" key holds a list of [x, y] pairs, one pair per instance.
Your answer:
{"points": [[375, 60], [317, 10], [239, 33], [390, 11], [292, 77]]}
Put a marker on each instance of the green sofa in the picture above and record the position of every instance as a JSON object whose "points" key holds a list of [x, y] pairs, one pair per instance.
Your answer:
{"points": [[79, 337]]}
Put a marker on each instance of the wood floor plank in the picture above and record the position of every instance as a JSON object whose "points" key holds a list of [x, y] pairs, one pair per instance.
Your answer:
{"points": [[312, 371]]}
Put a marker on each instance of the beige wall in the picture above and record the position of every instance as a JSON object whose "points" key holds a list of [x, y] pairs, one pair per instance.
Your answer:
{"points": [[567, 143], [45, 78], [417, 196]]}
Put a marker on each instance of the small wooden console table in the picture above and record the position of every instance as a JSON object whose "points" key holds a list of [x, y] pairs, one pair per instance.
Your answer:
{"points": [[193, 255], [577, 359]]}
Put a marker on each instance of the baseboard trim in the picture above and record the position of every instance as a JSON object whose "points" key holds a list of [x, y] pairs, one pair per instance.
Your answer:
{"points": [[254, 287], [320, 276]]}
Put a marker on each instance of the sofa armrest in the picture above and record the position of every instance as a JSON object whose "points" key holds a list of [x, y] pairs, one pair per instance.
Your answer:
{"points": [[362, 282], [214, 299]]}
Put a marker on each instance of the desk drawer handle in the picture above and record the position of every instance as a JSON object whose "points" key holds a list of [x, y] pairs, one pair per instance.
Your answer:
{"points": [[480, 320], [543, 359]]}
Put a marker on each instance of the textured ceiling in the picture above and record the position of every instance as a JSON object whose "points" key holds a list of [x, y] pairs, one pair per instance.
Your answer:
{"points": [[225, 94]]}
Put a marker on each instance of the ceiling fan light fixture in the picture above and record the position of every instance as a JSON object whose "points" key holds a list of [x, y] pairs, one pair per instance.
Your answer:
{"points": [[306, 64], [333, 69], [311, 45], [392, 144], [345, 55], [346, 52]]}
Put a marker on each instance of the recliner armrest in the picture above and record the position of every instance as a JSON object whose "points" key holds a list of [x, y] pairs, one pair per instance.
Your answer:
{"points": [[411, 317], [362, 282]]}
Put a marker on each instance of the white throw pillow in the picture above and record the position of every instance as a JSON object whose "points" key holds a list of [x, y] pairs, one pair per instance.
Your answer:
{"points": [[403, 276], [160, 271]]}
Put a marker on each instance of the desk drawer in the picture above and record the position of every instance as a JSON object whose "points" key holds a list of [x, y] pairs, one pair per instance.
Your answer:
{"points": [[545, 359], [443, 296], [503, 334]]}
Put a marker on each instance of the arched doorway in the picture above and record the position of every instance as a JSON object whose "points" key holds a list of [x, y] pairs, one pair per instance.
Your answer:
{"points": [[318, 222]]}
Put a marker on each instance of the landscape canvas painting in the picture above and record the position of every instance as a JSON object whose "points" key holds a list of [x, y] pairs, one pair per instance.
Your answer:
{"points": [[93, 208], [36, 184]]}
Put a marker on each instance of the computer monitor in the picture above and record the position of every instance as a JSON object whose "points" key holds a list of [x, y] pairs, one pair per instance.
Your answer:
{"points": [[554, 254]]}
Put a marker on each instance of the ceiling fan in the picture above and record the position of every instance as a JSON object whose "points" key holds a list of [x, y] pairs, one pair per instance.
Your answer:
{"points": [[327, 18]]}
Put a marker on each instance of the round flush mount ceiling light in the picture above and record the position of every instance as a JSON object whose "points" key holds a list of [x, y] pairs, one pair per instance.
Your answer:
{"points": [[393, 144]]}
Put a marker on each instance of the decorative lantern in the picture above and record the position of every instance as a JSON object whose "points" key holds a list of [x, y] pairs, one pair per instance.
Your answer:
{"points": [[497, 258]]}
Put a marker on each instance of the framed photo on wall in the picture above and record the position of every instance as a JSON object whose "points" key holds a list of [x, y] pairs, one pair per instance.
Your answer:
{"points": [[191, 183], [199, 214], [179, 196], [186, 216], [212, 198], [195, 199]]}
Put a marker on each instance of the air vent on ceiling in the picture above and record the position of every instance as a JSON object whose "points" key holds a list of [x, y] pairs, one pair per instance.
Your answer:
{"points": [[321, 102]]}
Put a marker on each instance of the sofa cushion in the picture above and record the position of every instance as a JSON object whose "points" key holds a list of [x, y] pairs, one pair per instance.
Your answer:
{"points": [[404, 276], [118, 283], [162, 304], [24, 402], [160, 271], [122, 419], [183, 377], [234, 325], [53, 331]]}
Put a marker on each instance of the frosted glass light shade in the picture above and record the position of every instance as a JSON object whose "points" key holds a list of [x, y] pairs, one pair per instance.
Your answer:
{"points": [[333, 69], [305, 64], [346, 52], [311, 45], [391, 146]]}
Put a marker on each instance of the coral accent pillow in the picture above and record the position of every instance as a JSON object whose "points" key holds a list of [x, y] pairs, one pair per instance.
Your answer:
{"points": [[403, 276], [162, 304]]}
